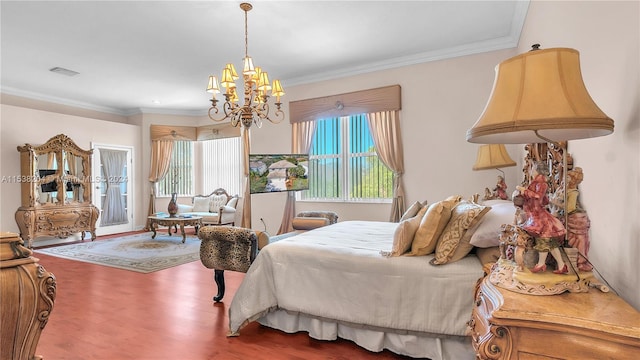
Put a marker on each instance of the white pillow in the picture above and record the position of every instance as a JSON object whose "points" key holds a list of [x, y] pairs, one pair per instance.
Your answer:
{"points": [[183, 208], [200, 204], [495, 202], [233, 202], [487, 233], [217, 201]]}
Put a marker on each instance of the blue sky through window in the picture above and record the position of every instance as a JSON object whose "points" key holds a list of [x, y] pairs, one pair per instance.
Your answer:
{"points": [[328, 136]]}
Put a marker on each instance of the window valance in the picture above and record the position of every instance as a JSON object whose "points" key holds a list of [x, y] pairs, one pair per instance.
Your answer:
{"points": [[191, 133], [358, 102], [219, 131], [170, 132]]}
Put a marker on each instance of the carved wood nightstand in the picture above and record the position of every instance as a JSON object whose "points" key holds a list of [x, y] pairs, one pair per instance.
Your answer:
{"points": [[592, 325]]}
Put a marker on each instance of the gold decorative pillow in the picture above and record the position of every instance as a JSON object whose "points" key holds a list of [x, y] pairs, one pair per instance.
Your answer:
{"points": [[453, 245], [412, 211], [431, 226], [488, 255], [403, 236]]}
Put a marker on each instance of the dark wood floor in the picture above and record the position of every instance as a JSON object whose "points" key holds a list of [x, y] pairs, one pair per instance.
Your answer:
{"points": [[108, 313]]}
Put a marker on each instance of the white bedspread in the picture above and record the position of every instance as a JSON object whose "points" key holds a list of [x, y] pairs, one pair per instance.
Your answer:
{"points": [[337, 272]]}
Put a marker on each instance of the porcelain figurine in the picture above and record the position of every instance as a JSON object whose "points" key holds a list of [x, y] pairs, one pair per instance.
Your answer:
{"points": [[547, 230], [500, 191]]}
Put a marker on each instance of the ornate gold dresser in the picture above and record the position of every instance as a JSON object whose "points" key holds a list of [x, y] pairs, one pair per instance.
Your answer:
{"points": [[56, 190], [592, 325]]}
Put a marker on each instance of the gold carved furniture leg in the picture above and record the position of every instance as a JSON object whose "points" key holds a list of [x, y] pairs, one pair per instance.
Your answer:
{"points": [[28, 292]]}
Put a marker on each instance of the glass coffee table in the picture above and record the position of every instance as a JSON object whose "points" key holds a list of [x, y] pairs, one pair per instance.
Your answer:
{"points": [[174, 222]]}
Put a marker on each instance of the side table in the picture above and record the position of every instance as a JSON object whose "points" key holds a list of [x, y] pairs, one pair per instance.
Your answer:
{"points": [[592, 325], [175, 221]]}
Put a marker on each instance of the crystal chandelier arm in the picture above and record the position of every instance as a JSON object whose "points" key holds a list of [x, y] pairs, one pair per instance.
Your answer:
{"points": [[230, 111], [216, 111], [236, 117], [262, 111]]}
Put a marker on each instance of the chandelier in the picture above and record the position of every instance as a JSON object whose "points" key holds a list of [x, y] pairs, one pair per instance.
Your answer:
{"points": [[256, 87]]}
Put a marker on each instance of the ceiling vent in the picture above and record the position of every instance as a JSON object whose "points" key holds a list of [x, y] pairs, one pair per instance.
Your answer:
{"points": [[63, 71]]}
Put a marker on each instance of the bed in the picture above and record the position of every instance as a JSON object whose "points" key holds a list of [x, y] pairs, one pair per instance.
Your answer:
{"points": [[339, 281]]}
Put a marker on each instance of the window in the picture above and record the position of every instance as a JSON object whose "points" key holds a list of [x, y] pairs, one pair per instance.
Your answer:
{"points": [[179, 178], [222, 165], [344, 165]]}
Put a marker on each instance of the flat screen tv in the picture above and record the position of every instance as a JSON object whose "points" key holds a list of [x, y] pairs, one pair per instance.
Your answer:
{"points": [[51, 186], [278, 172]]}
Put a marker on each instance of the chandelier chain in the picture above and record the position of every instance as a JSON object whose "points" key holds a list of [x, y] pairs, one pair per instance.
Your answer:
{"points": [[246, 34]]}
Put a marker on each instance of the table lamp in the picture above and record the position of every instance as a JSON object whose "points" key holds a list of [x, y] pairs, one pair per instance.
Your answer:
{"points": [[539, 97], [494, 156]]}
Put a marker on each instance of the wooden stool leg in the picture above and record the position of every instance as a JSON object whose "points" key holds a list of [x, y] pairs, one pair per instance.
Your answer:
{"points": [[218, 276]]}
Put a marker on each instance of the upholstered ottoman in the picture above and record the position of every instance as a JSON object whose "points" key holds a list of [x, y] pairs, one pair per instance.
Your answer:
{"points": [[304, 221], [227, 248], [331, 216]]}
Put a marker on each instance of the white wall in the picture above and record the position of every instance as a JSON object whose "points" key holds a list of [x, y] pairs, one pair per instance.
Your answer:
{"points": [[607, 35], [20, 125]]}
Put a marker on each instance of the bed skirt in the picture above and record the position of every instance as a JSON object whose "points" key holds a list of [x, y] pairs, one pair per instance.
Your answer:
{"points": [[417, 346]]}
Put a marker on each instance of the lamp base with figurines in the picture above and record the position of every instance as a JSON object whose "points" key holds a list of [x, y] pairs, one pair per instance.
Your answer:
{"points": [[513, 270]]}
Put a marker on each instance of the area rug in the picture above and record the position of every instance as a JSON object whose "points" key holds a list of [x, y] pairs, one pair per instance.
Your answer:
{"points": [[136, 252]]}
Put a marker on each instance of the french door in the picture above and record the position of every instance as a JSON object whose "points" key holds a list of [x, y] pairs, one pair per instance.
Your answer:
{"points": [[112, 188]]}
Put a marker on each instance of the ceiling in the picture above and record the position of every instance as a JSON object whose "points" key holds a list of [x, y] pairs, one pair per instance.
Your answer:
{"points": [[156, 56]]}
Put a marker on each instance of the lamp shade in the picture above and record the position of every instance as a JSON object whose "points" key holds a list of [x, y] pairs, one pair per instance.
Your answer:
{"points": [[277, 88], [493, 156], [213, 85], [540, 92], [248, 68]]}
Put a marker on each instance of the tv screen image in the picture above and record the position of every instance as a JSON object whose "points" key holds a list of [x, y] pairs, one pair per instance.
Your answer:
{"points": [[278, 172]]}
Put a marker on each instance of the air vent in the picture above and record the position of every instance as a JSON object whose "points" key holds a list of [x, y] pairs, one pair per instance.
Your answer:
{"points": [[63, 71]]}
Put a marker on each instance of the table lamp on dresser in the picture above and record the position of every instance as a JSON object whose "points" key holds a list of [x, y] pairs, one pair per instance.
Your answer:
{"points": [[494, 156], [539, 99]]}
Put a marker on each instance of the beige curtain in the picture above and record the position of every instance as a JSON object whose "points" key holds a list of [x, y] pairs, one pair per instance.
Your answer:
{"points": [[246, 203], [302, 136], [160, 159], [51, 159], [73, 170], [385, 130]]}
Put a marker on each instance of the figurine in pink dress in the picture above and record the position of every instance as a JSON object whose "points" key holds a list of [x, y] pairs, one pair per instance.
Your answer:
{"points": [[500, 191], [547, 230]]}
